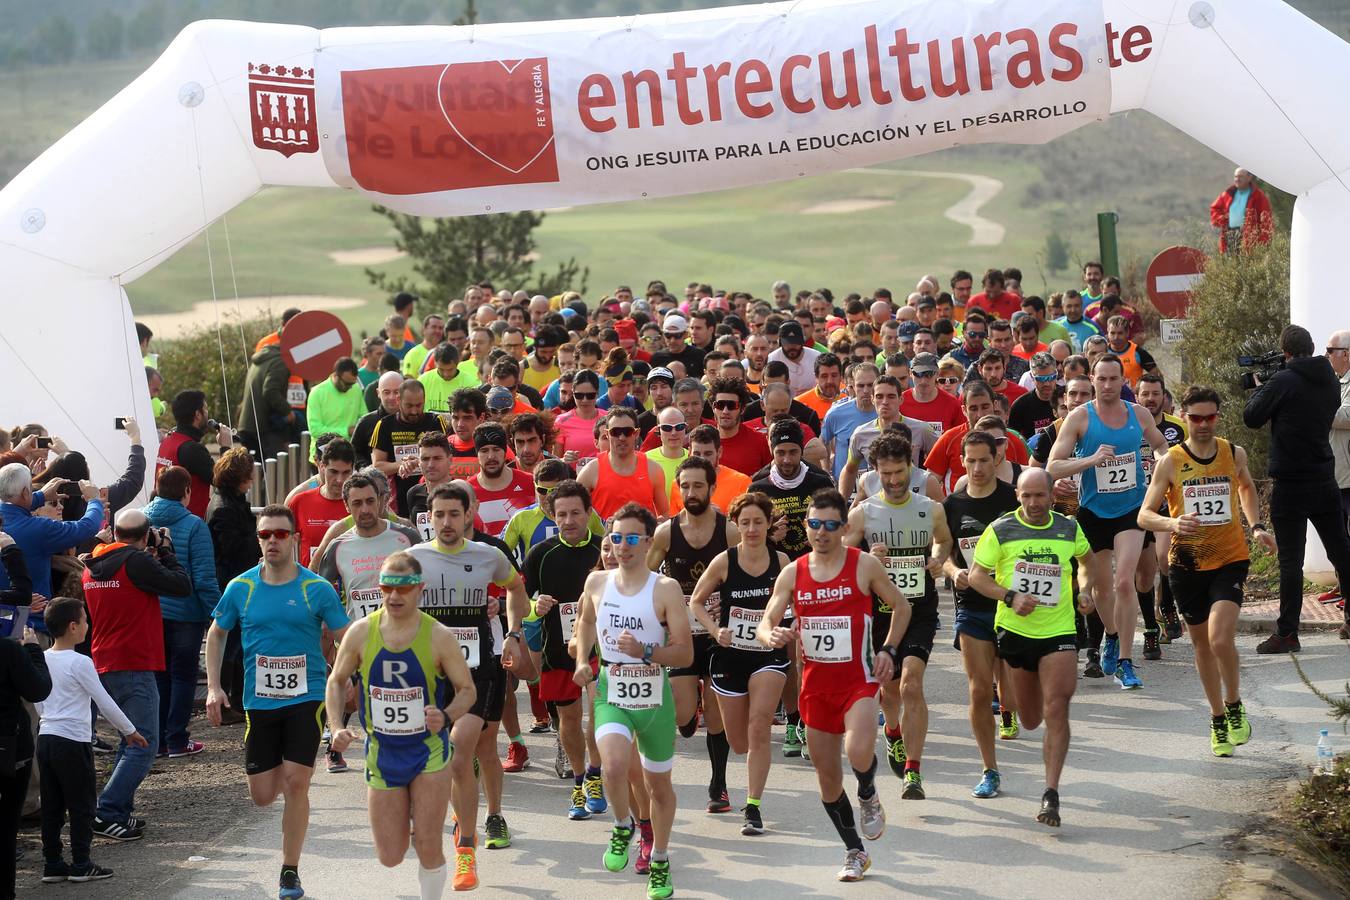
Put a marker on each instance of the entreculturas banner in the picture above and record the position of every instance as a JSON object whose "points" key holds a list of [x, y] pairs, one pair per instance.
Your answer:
{"points": [[540, 115]]}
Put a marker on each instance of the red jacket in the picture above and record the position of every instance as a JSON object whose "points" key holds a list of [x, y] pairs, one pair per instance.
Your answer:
{"points": [[1258, 224], [122, 587]]}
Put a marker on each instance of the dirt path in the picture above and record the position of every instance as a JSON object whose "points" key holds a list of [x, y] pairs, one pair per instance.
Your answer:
{"points": [[966, 211], [203, 313]]}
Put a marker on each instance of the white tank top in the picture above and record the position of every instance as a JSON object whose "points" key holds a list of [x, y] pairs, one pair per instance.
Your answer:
{"points": [[634, 613]]}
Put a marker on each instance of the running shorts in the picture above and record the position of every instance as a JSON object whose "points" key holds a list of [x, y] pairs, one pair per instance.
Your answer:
{"points": [[732, 669], [652, 729], [1026, 653], [288, 733], [1195, 592]]}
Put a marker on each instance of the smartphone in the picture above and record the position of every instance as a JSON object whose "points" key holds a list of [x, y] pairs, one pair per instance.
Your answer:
{"points": [[120, 423], [44, 443]]}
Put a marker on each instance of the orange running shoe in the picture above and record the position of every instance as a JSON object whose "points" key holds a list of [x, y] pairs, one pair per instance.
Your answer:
{"points": [[466, 869]]}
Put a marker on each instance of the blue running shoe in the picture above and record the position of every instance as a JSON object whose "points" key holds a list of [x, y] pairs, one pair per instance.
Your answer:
{"points": [[290, 885], [988, 786], [595, 794], [577, 810], [1126, 678], [1110, 655]]}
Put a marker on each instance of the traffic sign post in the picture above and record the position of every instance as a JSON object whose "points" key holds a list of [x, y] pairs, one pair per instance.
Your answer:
{"points": [[1172, 330], [1171, 277], [312, 342]]}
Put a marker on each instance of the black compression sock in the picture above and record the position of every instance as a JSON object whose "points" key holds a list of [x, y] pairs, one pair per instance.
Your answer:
{"points": [[719, 748], [867, 780], [1096, 630], [1165, 601], [794, 719], [840, 812], [1148, 611], [688, 728]]}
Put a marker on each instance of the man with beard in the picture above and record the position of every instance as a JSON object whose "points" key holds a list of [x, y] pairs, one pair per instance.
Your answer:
{"points": [[789, 482], [743, 448], [1033, 411], [1079, 328], [886, 395], [925, 402], [661, 392], [756, 358], [501, 491], [531, 436], [829, 375], [394, 442], [622, 475], [799, 359], [973, 336]]}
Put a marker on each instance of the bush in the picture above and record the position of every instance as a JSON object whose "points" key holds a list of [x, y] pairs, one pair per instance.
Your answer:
{"points": [[1240, 307], [192, 362]]}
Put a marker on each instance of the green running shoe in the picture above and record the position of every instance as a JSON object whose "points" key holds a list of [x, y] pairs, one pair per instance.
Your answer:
{"points": [[616, 857], [895, 755], [1218, 738], [1239, 726], [498, 835], [792, 741], [659, 883], [1009, 729], [913, 786]]}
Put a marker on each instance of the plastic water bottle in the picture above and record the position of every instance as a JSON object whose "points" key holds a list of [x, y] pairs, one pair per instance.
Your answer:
{"points": [[1326, 759]]}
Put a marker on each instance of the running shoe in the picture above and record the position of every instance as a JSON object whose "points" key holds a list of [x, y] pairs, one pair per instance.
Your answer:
{"points": [[1093, 669], [540, 726], [1279, 643], [327, 736], [498, 835], [115, 830], [290, 887], [895, 755], [1049, 814], [792, 742], [1110, 654], [1172, 626], [988, 786], [88, 872], [578, 811], [102, 747], [718, 801], [780, 715], [855, 864], [595, 794], [1152, 650], [872, 818], [1330, 596], [517, 757], [191, 748], [659, 883], [466, 869], [55, 872], [561, 766], [1126, 677], [616, 855], [1009, 729], [336, 762], [1239, 726], [913, 786], [806, 751], [1218, 739], [754, 822], [643, 864]]}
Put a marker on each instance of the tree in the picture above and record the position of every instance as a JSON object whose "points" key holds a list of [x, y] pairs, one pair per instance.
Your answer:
{"points": [[54, 40], [452, 253], [104, 35], [145, 31]]}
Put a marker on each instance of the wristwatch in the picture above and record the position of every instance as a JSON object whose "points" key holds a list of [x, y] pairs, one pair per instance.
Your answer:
{"points": [[1261, 526], [513, 634], [892, 652], [647, 651], [1008, 598]]}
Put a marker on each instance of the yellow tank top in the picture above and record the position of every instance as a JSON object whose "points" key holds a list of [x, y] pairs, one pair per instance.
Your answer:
{"points": [[1207, 489]]}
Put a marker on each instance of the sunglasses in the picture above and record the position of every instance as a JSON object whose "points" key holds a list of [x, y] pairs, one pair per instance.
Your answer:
{"points": [[1044, 378], [726, 405], [544, 491], [589, 395], [631, 540], [1000, 441], [950, 379], [1199, 420], [830, 525], [1331, 350], [281, 534], [677, 427], [977, 335], [621, 430]]}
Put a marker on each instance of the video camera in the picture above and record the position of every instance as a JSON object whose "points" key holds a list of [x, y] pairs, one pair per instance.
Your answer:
{"points": [[1263, 368]]}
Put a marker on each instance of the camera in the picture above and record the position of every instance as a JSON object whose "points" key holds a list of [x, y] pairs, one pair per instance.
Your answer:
{"points": [[212, 426], [1262, 368]]}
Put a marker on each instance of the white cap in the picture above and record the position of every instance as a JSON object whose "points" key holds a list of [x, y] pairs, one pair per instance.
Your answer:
{"points": [[675, 325]]}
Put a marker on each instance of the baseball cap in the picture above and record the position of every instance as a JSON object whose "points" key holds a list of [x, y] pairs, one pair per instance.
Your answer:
{"points": [[909, 329], [612, 307], [661, 372], [790, 333], [549, 337], [834, 322], [641, 306], [568, 312], [924, 362], [675, 325], [926, 301], [500, 398]]}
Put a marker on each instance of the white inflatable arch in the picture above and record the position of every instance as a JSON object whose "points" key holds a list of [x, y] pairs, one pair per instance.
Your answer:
{"points": [[451, 121]]}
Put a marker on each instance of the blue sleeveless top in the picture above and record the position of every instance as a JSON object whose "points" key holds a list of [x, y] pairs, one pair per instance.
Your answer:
{"points": [[1112, 490]]}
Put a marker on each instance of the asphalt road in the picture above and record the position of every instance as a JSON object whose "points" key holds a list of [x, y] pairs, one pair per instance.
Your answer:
{"points": [[1147, 810]]}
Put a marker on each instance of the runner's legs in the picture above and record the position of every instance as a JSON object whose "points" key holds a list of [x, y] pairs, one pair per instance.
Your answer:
{"points": [[978, 658]]}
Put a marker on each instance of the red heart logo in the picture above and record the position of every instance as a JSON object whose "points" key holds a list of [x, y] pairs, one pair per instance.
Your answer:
{"points": [[499, 108]]}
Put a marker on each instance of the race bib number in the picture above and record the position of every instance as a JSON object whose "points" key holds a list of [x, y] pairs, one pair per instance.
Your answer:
{"points": [[295, 394], [634, 686], [567, 612], [906, 573], [405, 451], [967, 545], [695, 626], [364, 602], [1044, 581], [935, 428], [397, 710], [470, 645], [280, 677], [424, 526], [1117, 474], [827, 639], [1211, 504], [742, 624]]}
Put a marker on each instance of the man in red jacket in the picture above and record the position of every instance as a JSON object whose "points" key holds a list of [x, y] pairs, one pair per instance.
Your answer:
{"points": [[183, 447], [1242, 214]]}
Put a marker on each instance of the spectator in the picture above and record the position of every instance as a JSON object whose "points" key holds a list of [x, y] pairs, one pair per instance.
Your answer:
{"points": [[37, 536], [266, 417], [335, 404], [234, 539], [65, 745], [23, 680], [186, 615], [123, 582], [183, 447], [1242, 214]]}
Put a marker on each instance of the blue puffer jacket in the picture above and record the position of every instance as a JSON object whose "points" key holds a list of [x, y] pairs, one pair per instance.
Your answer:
{"points": [[192, 545]]}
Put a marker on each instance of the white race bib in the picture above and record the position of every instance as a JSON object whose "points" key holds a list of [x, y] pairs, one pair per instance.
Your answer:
{"points": [[469, 645], [967, 545], [935, 428], [1211, 504], [742, 624], [827, 638], [405, 451], [1118, 474], [295, 394], [397, 710], [695, 626], [906, 573], [634, 686], [1044, 581], [280, 677], [424, 525], [568, 613], [364, 602]]}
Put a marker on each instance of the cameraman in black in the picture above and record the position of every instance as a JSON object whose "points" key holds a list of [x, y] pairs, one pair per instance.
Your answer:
{"points": [[1299, 402]]}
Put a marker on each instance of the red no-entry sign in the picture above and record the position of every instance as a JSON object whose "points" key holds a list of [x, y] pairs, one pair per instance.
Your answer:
{"points": [[312, 342], [1170, 278]]}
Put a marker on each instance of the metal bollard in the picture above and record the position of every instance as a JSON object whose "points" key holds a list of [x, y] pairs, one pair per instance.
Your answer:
{"points": [[298, 472], [270, 468], [283, 477], [255, 491], [306, 442]]}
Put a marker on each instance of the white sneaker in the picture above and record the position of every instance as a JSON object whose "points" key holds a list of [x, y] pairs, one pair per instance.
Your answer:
{"points": [[873, 817], [855, 864]]}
